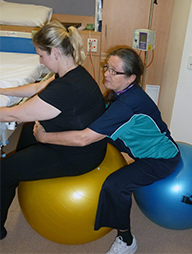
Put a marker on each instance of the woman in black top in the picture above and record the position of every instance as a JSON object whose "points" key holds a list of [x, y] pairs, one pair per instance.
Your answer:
{"points": [[69, 100]]}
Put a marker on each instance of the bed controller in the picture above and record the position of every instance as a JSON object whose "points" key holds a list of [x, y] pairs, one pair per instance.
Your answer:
{"points": [[6, 129]]}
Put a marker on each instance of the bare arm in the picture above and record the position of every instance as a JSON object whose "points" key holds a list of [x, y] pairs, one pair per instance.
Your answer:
{"points": [[67, 138], [32, 110], [26, 90]]}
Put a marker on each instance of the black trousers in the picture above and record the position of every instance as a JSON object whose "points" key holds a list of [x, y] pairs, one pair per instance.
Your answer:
{"points": [[35, 161], [115, 198]]}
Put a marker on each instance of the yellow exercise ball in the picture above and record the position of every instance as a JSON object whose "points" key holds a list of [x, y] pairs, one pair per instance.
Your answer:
{"points": [[63, 209]]}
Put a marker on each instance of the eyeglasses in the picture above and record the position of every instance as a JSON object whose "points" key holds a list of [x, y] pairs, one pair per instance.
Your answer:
{"points": [[112, 71]]}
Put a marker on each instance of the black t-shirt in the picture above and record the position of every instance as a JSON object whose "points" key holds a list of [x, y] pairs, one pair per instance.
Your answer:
{"points": [[79, 99]]}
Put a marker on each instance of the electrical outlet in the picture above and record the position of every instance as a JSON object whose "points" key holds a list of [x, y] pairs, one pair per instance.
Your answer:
{"points": [[92, 45]]}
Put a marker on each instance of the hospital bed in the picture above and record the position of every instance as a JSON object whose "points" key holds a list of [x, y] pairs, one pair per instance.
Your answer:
{"points": [[19, 63], [17, 23]]}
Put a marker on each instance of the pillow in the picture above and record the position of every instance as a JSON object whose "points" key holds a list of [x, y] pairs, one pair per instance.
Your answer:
{"points": [[24, 14]]}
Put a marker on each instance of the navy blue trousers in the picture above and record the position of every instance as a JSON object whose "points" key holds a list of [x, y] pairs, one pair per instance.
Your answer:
{"points": [[115, 198]]}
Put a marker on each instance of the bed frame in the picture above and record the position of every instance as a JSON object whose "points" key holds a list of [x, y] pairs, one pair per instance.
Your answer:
{"points": [[92, 62], [84, 20]]}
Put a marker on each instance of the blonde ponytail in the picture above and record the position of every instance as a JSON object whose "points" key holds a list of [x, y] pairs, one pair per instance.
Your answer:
{"points": [[77, 43]]}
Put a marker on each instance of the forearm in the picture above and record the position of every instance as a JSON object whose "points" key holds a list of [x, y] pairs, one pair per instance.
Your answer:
{"points": [[66, 138], [20, 91], [26, 90], [6, 115]]}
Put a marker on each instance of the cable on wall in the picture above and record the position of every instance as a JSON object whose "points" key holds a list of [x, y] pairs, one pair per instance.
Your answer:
{"points": [[146, 54], [91, 58]]}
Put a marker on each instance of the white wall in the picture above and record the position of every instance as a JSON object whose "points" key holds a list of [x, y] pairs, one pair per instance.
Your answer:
{"points": [[70, 7], [181, 120]]}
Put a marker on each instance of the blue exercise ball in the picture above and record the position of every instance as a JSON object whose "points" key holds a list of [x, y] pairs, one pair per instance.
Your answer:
{"points": [[168, 202]]}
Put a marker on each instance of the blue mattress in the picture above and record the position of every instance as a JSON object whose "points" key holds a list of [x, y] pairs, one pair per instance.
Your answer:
{"points": [[16, 45]]}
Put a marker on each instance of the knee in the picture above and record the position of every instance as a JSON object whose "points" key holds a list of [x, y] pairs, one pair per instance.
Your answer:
{"points": [[109, 183]]}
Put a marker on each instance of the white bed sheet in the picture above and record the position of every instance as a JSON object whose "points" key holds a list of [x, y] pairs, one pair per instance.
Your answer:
{"points": [[17, 69]]}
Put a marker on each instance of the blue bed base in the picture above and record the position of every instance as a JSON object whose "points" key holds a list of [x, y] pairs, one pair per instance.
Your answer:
{"points": [[16, 45]]}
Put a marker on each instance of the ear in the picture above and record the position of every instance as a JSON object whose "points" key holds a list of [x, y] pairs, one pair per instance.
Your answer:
{"points": [[55, 52], [132, 78]]}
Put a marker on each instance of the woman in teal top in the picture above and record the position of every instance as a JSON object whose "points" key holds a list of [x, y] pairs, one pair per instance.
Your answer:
{"points": [[133, 124]]}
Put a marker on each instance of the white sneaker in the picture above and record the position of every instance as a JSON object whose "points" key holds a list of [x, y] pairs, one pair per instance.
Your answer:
{"points": [[120, 247]]}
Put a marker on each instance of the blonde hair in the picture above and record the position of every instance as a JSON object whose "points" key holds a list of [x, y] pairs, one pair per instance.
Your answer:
{"points": [[67, 40]]}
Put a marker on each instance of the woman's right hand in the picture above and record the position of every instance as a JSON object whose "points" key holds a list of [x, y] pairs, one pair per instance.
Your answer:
{"points": [[38, 131]]}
